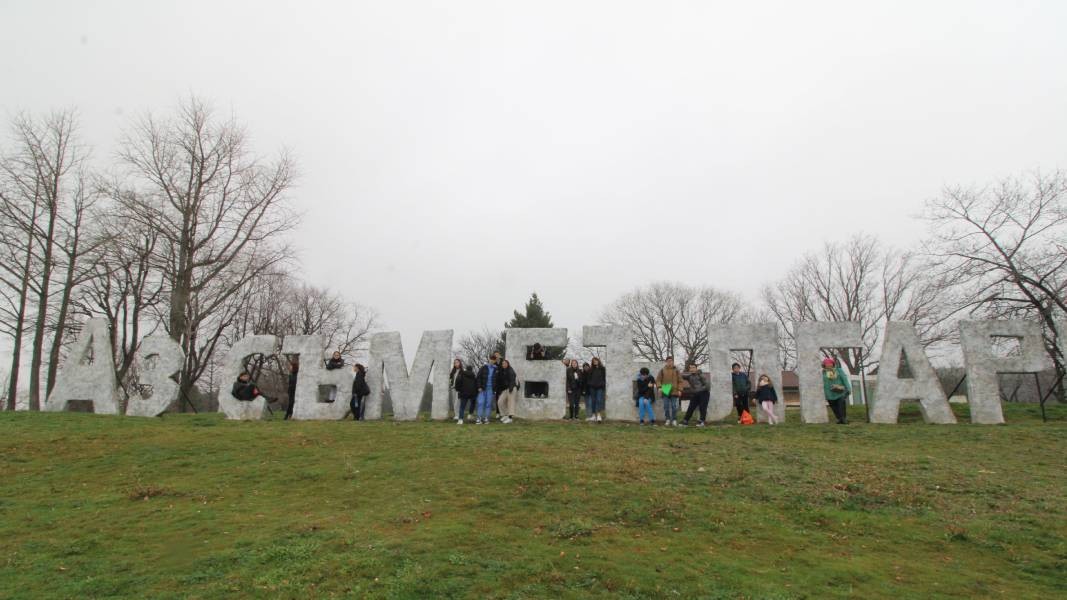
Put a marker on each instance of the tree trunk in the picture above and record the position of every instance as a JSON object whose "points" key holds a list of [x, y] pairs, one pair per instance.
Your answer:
{"points": [[61, 319], [42, 311]]}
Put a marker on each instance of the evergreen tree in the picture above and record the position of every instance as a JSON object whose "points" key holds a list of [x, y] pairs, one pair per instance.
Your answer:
{"points": [[535, 315]]}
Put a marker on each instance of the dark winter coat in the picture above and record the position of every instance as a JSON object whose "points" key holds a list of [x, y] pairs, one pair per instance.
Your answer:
{"points": [[583, 379], [359, 384], [574, 381], [766, 392], [741, 384], [597, 378], [335, 363], [646, 387], [245, 390], [466, 385], [506, 379], [697, 383]]}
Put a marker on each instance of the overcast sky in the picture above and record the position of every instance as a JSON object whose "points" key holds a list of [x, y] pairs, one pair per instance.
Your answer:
{"points": [[456, 156]]}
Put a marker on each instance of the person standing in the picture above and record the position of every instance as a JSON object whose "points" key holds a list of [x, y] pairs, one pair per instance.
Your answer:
{"points": [[645, 396], [585, 391], [507, 390], [487, 376], [669, 381], [294, 369], [767, 397], [597, 381], [574, 389], [741, 388], [453, 395], [467, 390], [697, 388], [360, 391], [836, 388]]}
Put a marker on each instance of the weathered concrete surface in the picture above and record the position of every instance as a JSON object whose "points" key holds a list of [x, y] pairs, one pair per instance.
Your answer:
{"points": [[158, 357], [983, 391], [406, 388], [80, 380], [550, 371], [901, 339], [617, 358], [811, 338], [762, 340], [232, 366], [313, 373]]}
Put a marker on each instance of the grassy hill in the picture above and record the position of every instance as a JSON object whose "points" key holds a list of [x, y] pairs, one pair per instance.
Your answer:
{"points": [[197, 507]]}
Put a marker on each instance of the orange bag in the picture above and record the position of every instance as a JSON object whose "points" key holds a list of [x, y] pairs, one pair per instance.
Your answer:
{"points": [[746, 419]]}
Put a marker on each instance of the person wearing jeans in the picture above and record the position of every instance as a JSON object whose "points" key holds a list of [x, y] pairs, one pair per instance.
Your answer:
{"points": [[597, 381], [646, 394], [669, 381], [487, 377]]}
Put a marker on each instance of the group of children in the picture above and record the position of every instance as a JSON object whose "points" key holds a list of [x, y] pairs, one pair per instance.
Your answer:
{"points": [[496, 385], [673, 385]]}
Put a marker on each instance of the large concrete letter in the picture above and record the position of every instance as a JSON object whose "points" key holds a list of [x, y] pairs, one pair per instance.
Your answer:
{"points": [[244, 410], [619, 363], [158, 358], [902, 341], [550, 371], [811, 339], [88, 373], [983, 389], [760, 339], [313, 373], [406, 389]]}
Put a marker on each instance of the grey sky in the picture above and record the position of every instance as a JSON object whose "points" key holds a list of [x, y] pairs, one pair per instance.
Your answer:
{"points": [[457, 155]]}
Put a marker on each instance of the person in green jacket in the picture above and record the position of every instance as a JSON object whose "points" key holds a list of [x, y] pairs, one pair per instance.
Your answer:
{"points": [[836, 388]]}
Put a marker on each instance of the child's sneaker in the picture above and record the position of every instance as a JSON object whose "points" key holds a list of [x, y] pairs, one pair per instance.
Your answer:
{"points": [[459, 421], [700, 424]]}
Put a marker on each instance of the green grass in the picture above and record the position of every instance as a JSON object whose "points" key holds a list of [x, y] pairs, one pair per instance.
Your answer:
{"points": [[197, 507]]}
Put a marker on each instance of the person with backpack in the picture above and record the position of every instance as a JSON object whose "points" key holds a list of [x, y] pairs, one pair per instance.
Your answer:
{"points": [[487, 377], [360, 391], [669, 381], [466, 387], [741, 389], [596, 381], [574, 389], [836, 389], [699, 395], [244, 388], [767, 397], [645, 395], [507, 389]]}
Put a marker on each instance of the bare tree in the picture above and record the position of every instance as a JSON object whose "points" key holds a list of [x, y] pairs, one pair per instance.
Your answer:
{"points": [[859, 280], [474, 347], [221, 215], [42, 203], [672, 319], [1004, 249]]}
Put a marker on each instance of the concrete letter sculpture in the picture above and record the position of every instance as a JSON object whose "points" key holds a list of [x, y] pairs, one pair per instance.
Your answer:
{"points": [[234, 364], [924, 386], [811, 339], [621, 367], [406, 389], [313, 373], [983, 389], [550, 371], [85, 379], [158, 358], [760, 339]]}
